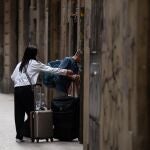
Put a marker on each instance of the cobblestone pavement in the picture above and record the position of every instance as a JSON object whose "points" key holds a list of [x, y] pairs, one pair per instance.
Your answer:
{"points": [[7, 132]]}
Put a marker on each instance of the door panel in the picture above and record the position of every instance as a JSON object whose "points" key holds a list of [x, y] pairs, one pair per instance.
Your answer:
{"points": [[95, 47]]}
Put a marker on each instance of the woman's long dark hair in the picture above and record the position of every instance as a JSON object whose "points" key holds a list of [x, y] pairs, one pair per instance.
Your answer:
{"points": [[30, 53]]}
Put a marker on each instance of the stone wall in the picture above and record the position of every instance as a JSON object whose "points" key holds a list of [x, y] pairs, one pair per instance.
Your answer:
{"points": [[10, 43], [124, 76], [1, 39], [124, 97]]}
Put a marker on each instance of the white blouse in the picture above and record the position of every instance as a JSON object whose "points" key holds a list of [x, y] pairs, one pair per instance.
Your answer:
{"points": [[33, 70]]}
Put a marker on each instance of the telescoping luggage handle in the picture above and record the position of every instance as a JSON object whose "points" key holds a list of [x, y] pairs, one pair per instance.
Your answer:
{"points": [[38, 84], [36, 94], [34, 90]]}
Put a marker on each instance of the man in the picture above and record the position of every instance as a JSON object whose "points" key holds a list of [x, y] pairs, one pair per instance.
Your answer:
{"points": [[63, 83]]}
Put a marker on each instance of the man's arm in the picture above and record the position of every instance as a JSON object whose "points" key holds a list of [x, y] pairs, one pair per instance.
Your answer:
{"points": [[65, 64]]}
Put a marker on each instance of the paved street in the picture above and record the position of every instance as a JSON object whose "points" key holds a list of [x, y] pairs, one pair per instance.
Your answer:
{"points": [[7, 132]]}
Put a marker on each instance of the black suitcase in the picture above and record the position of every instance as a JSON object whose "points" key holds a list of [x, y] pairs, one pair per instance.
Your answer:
{"points": [[66, 118]]}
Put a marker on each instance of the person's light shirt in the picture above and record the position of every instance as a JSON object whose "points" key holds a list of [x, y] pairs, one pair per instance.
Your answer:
{"points": [[33, 70]]}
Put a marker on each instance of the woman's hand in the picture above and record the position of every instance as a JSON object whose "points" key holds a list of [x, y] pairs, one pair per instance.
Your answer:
{"points": [[69, 72], [76, 77]]}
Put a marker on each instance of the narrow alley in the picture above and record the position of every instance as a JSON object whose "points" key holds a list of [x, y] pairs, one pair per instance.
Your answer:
{"points": [[7, 132], [113, 71]]}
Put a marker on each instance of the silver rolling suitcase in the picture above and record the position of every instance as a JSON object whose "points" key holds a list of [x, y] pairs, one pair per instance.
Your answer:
{"points": [[41, 123]]}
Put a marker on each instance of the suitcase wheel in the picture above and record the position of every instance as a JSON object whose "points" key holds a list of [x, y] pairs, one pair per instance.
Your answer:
{"points": [[32, 140], [47, 140], [37, 140]]}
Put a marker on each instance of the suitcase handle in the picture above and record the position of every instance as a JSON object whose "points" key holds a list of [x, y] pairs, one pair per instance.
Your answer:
{"points": [[38, 84], [35, 93]]}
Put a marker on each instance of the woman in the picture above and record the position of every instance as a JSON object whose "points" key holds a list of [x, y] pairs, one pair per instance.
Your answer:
{"points": [[28, 68]]}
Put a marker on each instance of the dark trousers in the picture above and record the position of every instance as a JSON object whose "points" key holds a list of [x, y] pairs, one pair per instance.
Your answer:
{"points": [[24, 103]]}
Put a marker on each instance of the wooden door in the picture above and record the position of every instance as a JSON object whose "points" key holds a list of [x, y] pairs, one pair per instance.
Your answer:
{"points": [[95, 76]]}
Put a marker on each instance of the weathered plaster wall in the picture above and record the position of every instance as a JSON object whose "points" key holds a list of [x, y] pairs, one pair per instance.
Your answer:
{"points": [[1, 39], [124, 120], [10, 43]]}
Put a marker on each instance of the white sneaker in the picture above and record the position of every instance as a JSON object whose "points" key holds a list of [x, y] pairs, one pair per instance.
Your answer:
{"points": [[19, 140], [26, 138]]}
